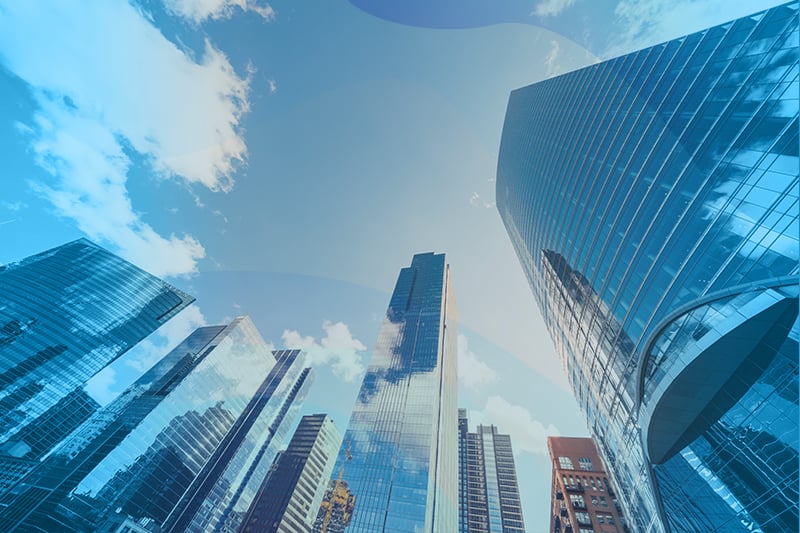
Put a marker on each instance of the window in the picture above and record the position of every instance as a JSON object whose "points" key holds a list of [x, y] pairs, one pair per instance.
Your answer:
{"points": [[603, 501], [577, 501], [594, 501], [585, 463], [583, 518], [566, 463]]}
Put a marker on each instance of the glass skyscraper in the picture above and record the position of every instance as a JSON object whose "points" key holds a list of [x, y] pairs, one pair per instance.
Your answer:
{"points": [[65, 314], [488, 490], [189, 442], [402, 435], [653, 203]]}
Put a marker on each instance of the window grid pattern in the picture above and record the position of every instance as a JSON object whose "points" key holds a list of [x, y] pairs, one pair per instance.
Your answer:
{"points": [[402, 434], [635, 187]]}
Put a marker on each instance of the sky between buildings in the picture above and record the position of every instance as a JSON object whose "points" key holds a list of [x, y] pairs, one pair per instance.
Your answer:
{"points": [[285, 160]]}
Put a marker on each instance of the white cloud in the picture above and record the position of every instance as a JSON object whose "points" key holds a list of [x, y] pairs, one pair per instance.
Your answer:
{"points": [[550, 62], [551, 8], [527, 434], [338, 348], [198, 11], [472, 371], [474, 199], [273, 87], [14, 206], [97, 104], [645, 23]]}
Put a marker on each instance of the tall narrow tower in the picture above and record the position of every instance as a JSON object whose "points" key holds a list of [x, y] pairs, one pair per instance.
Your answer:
{"points": [[488, 489], [402, 435]]}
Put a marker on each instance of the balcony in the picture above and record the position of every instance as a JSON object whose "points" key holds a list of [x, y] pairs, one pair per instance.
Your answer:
{"points": [[578, 487], [579, 506], [563, 510], [559, 495]]}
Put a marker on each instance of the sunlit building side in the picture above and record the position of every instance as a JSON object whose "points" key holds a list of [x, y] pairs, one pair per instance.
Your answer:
{"points": [[488, 489], [292, 493]]}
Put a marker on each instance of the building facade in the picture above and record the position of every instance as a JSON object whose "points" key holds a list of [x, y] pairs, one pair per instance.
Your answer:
{"points": [[66, 314], [290, 497], [652, 200], [218, 398], [488, 489], [583, 500], [400, 450]]}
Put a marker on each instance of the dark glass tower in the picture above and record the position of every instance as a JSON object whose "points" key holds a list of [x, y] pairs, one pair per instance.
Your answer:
{"points": [[199, 429], [402, 435], [488, 490], [65, 314], [292, 493], [653, 203]]}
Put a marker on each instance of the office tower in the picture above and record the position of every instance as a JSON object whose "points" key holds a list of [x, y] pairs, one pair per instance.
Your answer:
{"points": [[400, 450], [219, 398], [291, 495], [488, 491], [65, 314], [583, 500], [652, 200]]}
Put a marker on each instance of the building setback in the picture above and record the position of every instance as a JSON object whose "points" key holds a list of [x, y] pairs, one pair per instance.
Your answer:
{"points": [[652, 200], [400, 451], [488, 490], [583, 499], [291, 495]]}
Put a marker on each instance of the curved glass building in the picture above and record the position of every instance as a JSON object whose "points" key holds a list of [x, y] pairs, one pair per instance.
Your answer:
{"points": [[653, 202]]}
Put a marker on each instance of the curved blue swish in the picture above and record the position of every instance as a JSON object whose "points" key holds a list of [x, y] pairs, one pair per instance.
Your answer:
{"points": [[462, 14]]}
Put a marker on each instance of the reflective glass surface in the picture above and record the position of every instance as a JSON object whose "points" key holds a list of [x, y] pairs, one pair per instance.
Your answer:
{"points": [[402, 435], [653, 203], [199, 430], [65, 314]]}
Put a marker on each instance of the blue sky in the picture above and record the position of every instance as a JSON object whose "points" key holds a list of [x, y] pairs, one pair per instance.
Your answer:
{"points": [[285, 160]]}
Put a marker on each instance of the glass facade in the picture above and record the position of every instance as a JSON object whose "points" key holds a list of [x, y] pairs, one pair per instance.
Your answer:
{"points": [[400, 451], [204, 404], [653, 203], [67, 313], [489, 494]]}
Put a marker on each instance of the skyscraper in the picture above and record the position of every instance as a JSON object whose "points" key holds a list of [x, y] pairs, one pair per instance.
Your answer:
{"points": [[582, 500], [402, 435], [291, 495], [653, 203], [209, 414], [66, 313], [488, 490]]}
